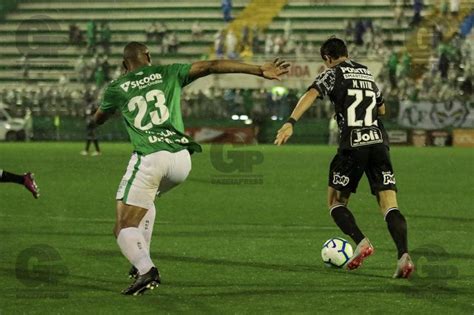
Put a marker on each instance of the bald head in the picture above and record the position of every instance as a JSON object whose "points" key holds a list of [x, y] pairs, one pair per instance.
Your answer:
{"points": [[136, 55]]}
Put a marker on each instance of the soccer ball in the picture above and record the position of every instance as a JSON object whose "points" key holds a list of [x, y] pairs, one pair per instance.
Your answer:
{"points": [[336, 252]]}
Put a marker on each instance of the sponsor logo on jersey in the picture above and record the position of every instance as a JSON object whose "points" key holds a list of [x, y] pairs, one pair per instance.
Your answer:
{"points": [[355, 70], [365, 136], [153, 78], [350, 73], [340, 179], [125, 86], [388, 178]]}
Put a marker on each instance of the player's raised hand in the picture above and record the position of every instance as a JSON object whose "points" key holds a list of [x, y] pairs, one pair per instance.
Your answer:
{"points": [[284, 134], [274, 70]]}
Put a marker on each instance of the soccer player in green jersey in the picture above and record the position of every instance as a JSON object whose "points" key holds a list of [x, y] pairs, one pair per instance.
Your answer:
{"points": [[148, 97]]}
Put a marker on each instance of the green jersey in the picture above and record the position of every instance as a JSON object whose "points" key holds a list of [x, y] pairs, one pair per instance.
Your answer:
{"points": [[149, 100]]}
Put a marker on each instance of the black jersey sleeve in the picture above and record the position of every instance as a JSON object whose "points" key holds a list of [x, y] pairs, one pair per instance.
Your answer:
{"points": [[379, 101], [324, 82]]}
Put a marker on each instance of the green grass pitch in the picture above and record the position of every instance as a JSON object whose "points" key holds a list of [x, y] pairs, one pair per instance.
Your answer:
{"points": [[234, 248]]}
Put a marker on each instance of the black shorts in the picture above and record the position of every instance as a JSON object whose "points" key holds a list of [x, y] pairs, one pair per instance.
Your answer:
{"points": [[90, 132], [348, 166]]}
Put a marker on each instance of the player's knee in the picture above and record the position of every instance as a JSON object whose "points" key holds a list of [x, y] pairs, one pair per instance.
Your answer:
{"points": [[387, 200], [128, 221], [338, 200]]}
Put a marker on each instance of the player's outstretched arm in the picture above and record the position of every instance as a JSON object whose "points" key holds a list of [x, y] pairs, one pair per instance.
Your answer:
{"points": [[270, 70], [305, 102]]}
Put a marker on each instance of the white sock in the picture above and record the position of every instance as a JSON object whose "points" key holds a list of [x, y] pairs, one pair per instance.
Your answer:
{"points": [[146, 225], [133, 246]]}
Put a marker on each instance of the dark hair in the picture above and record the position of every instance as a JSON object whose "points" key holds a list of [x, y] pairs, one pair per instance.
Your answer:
{"points": [[334, 47]]}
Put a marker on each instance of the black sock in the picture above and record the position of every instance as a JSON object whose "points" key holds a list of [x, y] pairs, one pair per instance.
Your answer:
{"points": [[96, 144], [6, 177], [397, 225], [88, 143], [346, 222]]}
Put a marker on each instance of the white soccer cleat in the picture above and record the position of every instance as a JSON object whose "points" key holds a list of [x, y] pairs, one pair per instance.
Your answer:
{"points": [[84, 152], [363, 250], [405, 267]]}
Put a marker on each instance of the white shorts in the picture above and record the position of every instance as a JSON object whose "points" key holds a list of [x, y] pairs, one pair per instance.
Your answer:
{"points": [[152, 174]]}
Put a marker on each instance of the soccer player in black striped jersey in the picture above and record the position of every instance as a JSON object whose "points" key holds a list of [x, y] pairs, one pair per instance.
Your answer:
{"points": [[363, 148]]}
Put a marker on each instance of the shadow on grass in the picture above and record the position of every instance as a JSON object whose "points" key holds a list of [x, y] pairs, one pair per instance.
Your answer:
{"points": [[439, 217], [231, 263]]}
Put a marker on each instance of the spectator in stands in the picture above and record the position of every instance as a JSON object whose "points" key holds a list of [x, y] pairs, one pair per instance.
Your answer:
{"points": [[278, 44], [359, 30], [173, 43], [368, 39], [196, 30], [398, 13], [105, 37], [161, 32], [349, 31], [106, 68], [467, 25], [454, 7], [81, 71], [63, 80], [25, 66], [99, 77], [268, 45], [466, 86], [91, 36], [219, 43], [245, 36], [152, 33], [417, 8], [290, 46], [165, 44], [392, 69], [437, 35], [226, 6], [75, 34], [443, 65], [287, 30], [239, 102], [405, 64], [310, 48], [299, 50], [231, 44], [256, 39]]}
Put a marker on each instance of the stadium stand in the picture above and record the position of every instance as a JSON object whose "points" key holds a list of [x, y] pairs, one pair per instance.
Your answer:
{"points": [[39, 29]]}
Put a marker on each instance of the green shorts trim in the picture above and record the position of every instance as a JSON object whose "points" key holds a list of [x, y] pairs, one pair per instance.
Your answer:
{"points": [[132, 178]]}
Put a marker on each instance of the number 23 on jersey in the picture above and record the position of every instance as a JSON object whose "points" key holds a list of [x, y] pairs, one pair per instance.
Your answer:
{"points": [[158, 115]]}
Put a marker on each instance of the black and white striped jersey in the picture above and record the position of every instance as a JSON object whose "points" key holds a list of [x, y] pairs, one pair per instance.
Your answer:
{"points": [[352, 89]]}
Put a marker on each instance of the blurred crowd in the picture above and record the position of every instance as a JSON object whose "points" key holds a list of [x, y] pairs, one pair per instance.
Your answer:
{"points": [[50, 100], [276, 103], [448, 76]]}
